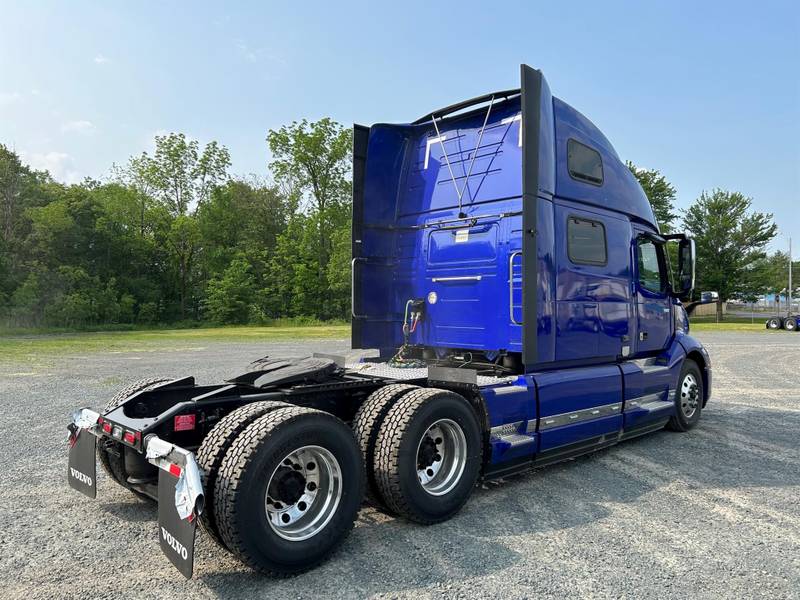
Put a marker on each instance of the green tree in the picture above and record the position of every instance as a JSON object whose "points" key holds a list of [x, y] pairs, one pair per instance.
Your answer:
{"points": [[181, 178], [659, 192], [183, 239], [178, 174], [229, 297], [242, 216], [730, 241], [313, 160]]}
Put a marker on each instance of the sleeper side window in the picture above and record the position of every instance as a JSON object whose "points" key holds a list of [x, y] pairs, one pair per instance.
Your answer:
{"points": [[584, 163], [650, 258], [586, 242]]}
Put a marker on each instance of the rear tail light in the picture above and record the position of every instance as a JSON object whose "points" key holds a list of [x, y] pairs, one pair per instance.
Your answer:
{"points": [[106, 426], [129, 438]]}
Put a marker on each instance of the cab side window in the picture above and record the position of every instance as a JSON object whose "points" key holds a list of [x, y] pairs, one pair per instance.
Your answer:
{"points": [[651, 265], [586, 242], [584, 163]]}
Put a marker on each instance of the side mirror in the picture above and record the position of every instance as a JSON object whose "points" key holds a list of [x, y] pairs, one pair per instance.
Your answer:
{"points": [[686, 270]]}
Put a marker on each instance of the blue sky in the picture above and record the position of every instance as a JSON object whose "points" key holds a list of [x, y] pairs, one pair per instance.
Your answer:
{"points": [[706, 92]]}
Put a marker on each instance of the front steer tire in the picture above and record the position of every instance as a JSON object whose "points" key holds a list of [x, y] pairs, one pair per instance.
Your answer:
{"points": [[260, 458], [400, 453], [688, 398], [213, 449], [111, 454]]}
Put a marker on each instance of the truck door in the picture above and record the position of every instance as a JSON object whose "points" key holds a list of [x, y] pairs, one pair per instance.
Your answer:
{"points": [[653, 303]]}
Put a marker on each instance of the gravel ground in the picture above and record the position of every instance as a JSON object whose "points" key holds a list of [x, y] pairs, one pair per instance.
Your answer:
{"points": [[713, 513]]}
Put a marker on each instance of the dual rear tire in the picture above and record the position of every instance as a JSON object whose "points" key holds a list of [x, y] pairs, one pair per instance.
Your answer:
{"points": [[423, 455], [774, 323], [287, 488]]}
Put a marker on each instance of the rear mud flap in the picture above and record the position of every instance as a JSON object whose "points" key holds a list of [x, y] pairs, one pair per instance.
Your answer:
{"points": [[175, 535], [82, 466]]}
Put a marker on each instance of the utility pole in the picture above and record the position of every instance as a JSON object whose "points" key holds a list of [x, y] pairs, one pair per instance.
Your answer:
{"points": [[789, 309]]}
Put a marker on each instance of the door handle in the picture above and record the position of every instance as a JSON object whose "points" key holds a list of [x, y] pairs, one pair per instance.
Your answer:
{"points": [[642, 336]]}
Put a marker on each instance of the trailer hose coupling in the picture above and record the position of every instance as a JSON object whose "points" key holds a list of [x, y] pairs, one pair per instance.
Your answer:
{"points": [[180, 463]]}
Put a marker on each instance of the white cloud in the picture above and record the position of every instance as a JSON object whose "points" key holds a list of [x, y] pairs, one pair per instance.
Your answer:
{"points": [[248, 54], [101, 60], [82, 127], [60, 165], [254, 55], [8, 98]]}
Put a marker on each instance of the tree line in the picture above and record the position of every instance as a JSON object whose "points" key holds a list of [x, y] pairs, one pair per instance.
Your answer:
{"points": [[173, 237]]}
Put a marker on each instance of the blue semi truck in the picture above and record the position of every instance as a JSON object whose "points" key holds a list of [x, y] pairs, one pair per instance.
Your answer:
{"points": [[511, 281]]}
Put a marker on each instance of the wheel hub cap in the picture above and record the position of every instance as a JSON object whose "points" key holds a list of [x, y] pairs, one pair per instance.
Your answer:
{"points": [[441, 457], [689, 394], [303, 493]]}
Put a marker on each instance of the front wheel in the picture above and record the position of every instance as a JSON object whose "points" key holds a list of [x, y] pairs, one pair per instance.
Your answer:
{"points": [[688, 398], [428, 455]]}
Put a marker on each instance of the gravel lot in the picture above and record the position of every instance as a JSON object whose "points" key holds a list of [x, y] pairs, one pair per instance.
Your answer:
{"points": [[713, 513]]}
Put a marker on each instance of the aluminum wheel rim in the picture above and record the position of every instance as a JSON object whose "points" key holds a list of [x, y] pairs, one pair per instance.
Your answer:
{"points": [[441, 457], [689, 392], [303, 493]]}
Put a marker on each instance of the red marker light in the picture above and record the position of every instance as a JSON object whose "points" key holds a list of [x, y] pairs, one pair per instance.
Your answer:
{"points": [[175, 470]]}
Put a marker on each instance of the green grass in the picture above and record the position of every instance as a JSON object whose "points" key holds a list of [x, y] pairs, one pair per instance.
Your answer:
{"points": [[34, 348], [39, 348]]}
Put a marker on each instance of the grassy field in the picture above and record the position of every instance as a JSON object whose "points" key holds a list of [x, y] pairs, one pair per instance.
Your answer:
{"points": [[38, 347], [727, 326], [35, 347]]}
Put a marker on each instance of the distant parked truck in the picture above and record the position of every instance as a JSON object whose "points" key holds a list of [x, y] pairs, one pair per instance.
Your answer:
{"points": [[508, 269], [789, 323]]}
